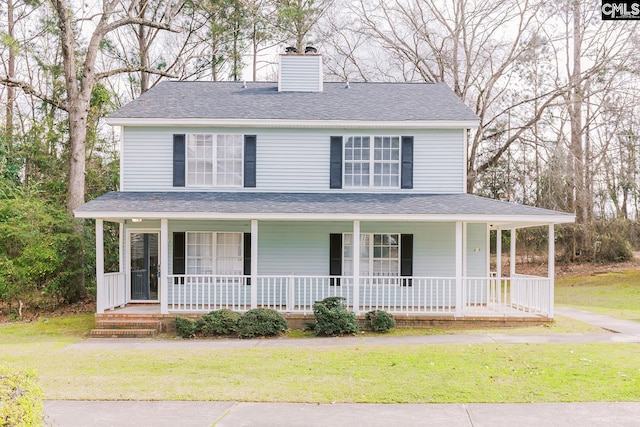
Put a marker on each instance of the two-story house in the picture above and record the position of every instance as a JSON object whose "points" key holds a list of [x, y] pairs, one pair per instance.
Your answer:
{"points": [[277, 195]]}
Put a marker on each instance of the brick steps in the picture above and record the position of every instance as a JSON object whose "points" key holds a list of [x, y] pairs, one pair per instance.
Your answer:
{"points": [[137, 326], [123, 333]]}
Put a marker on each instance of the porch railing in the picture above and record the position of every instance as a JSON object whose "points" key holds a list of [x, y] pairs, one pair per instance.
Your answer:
{"points": [[398, 295], [114, 290], [207, 293]]}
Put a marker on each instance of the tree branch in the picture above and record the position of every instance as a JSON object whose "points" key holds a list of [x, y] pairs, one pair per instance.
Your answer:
{"points": [[133, 70], [30, 90], [134, 20]]}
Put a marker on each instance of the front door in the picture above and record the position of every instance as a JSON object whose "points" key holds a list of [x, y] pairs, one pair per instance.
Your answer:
{"points": [[144, 266]]}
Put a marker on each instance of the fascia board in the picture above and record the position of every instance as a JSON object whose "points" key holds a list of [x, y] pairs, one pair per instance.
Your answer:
{"points": [[507, 220], [282, 123]]}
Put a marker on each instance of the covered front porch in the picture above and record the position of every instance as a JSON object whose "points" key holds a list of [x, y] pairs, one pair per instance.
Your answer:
{"points": [[457, 295], [452, 246]]}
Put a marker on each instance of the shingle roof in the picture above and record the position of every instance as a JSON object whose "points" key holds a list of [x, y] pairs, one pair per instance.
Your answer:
{"points": [[259, 100], [309, 203]]}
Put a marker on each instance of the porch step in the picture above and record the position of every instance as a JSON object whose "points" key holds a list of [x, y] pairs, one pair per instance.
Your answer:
{"points": [[123, 333], [136, 326], [127, 324]]}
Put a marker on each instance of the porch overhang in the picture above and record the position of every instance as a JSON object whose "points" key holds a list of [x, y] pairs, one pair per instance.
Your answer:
{"points": [[343, 206]]}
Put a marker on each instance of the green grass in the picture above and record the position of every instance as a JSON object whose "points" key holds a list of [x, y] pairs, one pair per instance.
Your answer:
{"points": [[407, 374], [61, 329], [366, 373], [615, 294]]}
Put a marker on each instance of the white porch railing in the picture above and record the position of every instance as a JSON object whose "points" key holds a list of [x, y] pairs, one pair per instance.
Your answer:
{"points": [[398, 295], [408, 295], [114, 291], [207, 293]]}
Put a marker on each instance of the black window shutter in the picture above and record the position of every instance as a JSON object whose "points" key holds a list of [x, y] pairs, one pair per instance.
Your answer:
{"points": [[250, 161], [179, 253], [406, 258], [406, 179], [335, 258], [247, 256], [179, 150], [335, 180]]}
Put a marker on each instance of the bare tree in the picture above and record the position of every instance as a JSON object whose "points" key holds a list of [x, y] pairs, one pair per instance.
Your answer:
{"points": [[80, 76]]}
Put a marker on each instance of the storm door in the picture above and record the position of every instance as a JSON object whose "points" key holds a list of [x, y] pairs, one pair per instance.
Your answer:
{"points": [[144, 266]]}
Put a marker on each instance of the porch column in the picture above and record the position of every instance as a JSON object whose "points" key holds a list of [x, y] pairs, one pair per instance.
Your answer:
{"points": [[164, 266], [551, 272], [356, 266], [512, 255], [100, 294], [499, 255], [459, 261], [254, 263], [121, 248]]}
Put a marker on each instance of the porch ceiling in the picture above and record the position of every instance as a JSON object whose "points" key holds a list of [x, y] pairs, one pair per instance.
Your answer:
{"points": [[317, 206]]}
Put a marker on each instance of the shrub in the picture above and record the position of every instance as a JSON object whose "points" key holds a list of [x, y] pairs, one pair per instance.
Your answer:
{"points": [[614, 248], [261, 322], [20, 399], [40, 254], [220, 322], [186, 328], [379, 321], [333, 318]]}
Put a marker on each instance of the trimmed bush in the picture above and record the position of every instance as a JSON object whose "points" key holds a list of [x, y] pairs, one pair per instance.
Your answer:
{"points": [[261, 322], [379, 321], [20, 399], [220, 322], [186, 328], [333, 318]]}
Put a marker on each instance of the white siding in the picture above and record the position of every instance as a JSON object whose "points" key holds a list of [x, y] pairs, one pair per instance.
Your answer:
{"points": [[300, 73], [477, 250], [302, 248], [147, 159], [292, 159]]}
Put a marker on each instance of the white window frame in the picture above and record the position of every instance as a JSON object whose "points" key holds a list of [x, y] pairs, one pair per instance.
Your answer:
{"points": [[370, 259], [214, 160], [372, 162], [214, 259]]}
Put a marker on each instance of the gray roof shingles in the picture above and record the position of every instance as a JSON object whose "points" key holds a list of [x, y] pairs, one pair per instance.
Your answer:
{"points": [[313, 203], [260, 100]]}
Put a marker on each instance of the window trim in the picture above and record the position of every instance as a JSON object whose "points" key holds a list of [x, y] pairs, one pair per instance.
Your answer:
{"points": [[372, 162], [214, 160], [214, 252]]}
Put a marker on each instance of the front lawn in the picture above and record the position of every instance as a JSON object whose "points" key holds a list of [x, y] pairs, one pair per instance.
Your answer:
{"points": [[366, 373], [615, 294]]}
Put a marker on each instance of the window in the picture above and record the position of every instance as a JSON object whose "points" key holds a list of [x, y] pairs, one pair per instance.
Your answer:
{"points": [[367, 165], [207, 250], [379, 254], [214, 160]]}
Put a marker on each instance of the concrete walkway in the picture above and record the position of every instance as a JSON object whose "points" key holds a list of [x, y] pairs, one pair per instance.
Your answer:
{"points": [[142, 413], [233, 414]]}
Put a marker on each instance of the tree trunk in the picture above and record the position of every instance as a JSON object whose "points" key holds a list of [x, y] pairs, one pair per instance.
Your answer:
{"points": [[78, 111], [11, 73], [577, 95]]}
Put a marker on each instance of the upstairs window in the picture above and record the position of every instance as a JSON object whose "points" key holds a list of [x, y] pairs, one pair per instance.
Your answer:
{"points": [[214, 160], [372, 161]]}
